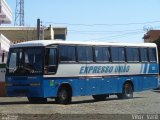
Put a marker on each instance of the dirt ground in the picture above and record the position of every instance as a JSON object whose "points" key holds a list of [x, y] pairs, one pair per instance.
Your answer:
{"points": [[144, 105]]}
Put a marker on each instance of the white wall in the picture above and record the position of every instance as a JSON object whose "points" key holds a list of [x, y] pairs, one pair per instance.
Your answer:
{"points": [[4, 48], [4, 43]]}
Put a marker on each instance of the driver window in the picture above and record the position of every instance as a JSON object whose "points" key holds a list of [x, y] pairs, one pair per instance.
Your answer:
{"points": [[52, 57], [51, 61]]}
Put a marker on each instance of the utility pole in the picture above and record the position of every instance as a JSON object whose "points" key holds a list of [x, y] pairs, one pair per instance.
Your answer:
{"points": [[19, 13], [38, 29]]}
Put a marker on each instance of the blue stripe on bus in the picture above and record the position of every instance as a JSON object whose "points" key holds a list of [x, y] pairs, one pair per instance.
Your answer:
{"points": [[141, 68], [145, 68]]}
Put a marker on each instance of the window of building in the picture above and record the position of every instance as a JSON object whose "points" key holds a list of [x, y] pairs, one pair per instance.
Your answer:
{"points": [[132, 54], [118, 54], [152, 54], [102, 54], [67, 53], [143, 54], [85, 53], [3, 56], [60, 36]]}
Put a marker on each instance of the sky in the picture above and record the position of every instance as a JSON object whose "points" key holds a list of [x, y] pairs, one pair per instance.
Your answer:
{"points": [[95, 20]]}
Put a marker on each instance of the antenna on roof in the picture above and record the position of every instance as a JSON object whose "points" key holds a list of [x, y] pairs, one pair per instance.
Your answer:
{"points": [[147, 28]]}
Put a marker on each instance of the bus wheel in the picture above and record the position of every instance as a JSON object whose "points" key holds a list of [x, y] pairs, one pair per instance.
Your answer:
{"points": [[127, 92], [64, 96], [37, 100], [100, 97]]}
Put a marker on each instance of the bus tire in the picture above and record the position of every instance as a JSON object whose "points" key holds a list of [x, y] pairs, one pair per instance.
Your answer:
{"points": [[37, 100], [127, 92], [63, 96], [100, 97]]}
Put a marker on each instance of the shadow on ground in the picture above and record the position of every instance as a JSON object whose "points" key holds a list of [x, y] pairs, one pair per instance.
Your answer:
{"points": [[53, 102]]}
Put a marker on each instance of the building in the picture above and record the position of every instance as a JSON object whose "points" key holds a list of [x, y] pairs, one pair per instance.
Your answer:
{"points": [[11, 35], [5, 18], [21, 33], [151, 35], [4, 48], [5, 13]]}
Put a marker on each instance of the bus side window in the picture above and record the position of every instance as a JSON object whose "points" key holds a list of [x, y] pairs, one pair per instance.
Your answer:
{"points": [[67, 53], [85, 53], [118, 54], [144, 54], [51, 61], [102, 54], [132, 54], [152, 54]]}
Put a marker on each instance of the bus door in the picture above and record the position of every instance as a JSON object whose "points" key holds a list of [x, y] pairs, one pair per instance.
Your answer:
{"points": [[51, 61], [50, 68]]}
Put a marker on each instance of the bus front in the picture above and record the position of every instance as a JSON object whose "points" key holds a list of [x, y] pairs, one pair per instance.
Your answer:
{"points": [[24, 72]]}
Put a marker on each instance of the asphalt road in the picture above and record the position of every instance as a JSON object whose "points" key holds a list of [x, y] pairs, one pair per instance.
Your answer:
{"points": [[146, 104]]}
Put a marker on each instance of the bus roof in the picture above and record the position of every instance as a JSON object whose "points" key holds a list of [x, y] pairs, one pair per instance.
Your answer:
{"points": [[57, 42]]}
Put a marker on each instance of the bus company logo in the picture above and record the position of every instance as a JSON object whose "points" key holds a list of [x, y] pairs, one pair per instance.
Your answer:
{"points": [[104, 69]]}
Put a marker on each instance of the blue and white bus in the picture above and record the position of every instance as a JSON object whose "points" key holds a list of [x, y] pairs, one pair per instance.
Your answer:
{"points": [[61, 69]]}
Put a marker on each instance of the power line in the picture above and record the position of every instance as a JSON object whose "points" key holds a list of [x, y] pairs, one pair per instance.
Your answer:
{"points": [[113, 36], [103, 32], [109, 34], [116, 24], [107, 31]]}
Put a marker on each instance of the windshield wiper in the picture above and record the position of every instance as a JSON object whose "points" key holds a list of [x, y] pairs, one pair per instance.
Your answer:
{"points": [[22, 69], [31, 70]]}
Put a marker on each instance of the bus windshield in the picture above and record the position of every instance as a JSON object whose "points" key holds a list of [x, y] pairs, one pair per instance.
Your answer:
{"points": [[24, 61]]}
